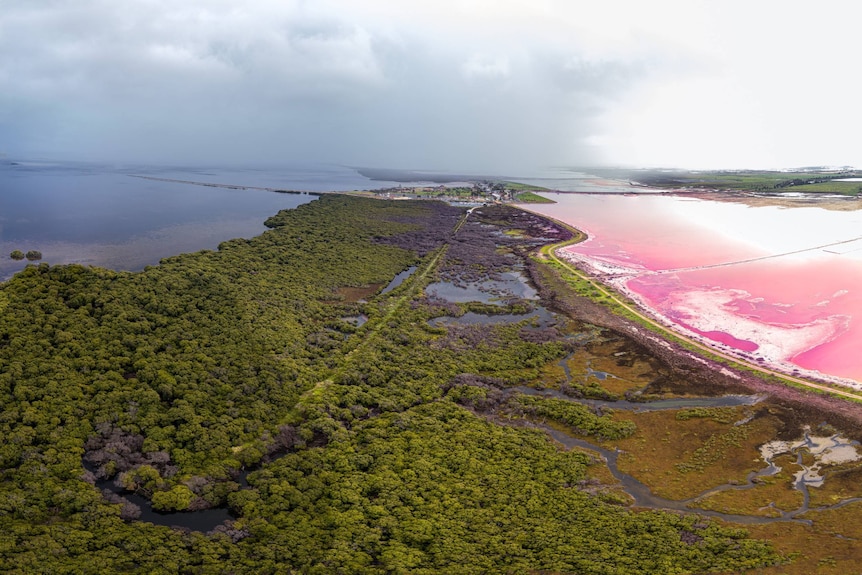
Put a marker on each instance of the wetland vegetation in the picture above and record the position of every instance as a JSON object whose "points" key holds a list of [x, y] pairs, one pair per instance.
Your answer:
{"points": [[293, 384]]}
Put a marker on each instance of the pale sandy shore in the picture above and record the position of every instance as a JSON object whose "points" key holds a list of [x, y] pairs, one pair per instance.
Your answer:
{"points": [[785, 200]]}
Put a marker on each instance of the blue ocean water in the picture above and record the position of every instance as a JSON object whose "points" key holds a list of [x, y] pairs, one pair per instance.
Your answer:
{"points": [[106, 215]]}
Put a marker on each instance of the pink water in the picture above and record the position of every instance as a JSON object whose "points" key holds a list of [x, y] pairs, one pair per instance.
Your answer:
{"points": [[798, 311]]}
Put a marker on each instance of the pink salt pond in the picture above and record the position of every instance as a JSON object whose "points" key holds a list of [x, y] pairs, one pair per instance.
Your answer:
{"points": [[780, 286]]}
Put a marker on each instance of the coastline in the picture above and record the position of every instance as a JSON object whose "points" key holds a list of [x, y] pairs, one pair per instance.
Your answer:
{"points": [[617, 278], [782, 305], [722, 373]]}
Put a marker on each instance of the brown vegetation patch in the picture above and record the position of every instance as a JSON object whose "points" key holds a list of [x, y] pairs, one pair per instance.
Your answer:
{"points": [[842, 482], [682, 459], [768, 498], [829, 547], [551, 376], [629, 364], [618, 381], [354, 294]]}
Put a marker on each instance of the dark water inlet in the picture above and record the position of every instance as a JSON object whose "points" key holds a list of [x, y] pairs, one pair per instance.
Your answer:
{"points": [[203, 520], [459, 294], [398, 279], [357, 320], [600, 375]]}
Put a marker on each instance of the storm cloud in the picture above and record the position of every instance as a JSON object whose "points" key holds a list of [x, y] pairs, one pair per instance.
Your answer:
{"points": [[478, 85]]}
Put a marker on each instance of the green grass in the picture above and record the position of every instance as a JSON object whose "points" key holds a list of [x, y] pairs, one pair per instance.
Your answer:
{"points": [[518, 186], [843, 188], [531, 198], [815, 182]]}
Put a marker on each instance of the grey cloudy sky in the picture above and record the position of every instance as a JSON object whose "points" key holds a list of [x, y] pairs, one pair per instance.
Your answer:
{"points": [[478, 85]]}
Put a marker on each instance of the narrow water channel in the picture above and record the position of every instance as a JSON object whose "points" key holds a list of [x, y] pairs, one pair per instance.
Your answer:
{"points": [[642, 495], [821, 448], [203, 520]]}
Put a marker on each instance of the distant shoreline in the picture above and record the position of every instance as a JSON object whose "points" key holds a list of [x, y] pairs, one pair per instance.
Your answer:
{"points": [[227, 186]]}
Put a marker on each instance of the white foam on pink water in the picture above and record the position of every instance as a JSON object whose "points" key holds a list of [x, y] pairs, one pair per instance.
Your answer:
{"points": [[718, 311], [801, 311]]}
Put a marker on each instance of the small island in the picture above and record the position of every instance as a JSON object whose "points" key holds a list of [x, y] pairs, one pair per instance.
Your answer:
{"points": [[32, 255]]}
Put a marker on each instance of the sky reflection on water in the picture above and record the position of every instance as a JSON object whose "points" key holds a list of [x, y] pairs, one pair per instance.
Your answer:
{"points": [[101, 215]]}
